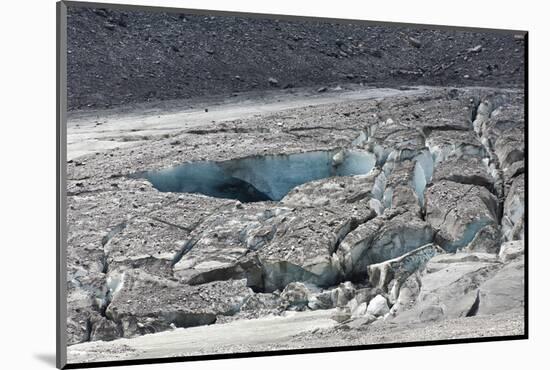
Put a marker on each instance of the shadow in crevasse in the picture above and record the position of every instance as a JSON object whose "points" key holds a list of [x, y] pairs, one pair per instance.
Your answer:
{"points": [[258, 178]]}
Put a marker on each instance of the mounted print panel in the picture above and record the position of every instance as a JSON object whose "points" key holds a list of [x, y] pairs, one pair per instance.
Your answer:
{"points": [[247, 184]]}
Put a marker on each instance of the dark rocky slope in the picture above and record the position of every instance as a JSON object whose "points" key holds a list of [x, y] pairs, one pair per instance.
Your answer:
{"points": [[119, 57]]}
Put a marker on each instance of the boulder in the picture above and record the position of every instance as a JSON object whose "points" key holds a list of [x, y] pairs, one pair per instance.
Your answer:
{"points": [[359, 311], [414, 42], [321, 301], [408, 293], [343, 294], [366, 294], [378, 306], [295, 296]]}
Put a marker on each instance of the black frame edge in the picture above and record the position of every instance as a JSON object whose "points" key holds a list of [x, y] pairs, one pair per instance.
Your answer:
{"points": [[526, 192], [61, 171]]}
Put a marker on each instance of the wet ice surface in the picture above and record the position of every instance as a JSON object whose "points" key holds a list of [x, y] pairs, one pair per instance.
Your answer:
{"points": [[259, 178]]}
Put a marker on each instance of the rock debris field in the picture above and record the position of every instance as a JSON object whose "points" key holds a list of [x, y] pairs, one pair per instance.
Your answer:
{"points": [[312, 216], [120, 57]]}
